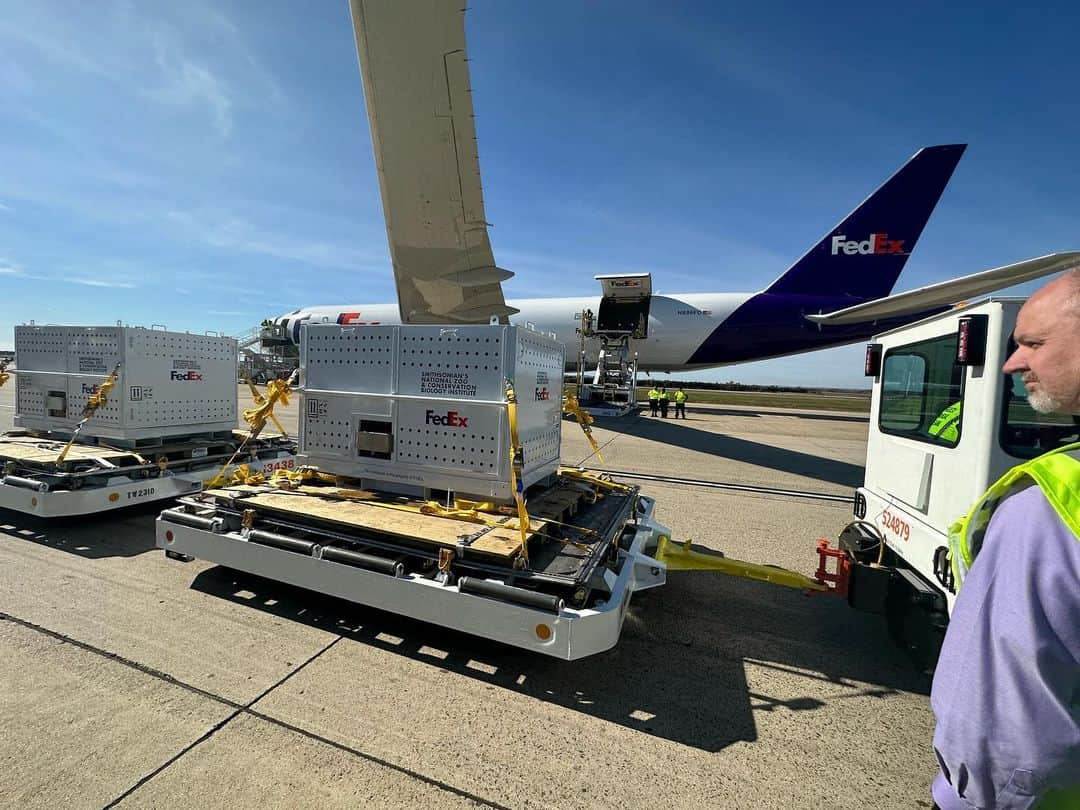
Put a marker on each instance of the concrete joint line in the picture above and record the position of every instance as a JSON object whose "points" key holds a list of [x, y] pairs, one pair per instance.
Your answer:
{"points": [[218, 726], [242, 708]]}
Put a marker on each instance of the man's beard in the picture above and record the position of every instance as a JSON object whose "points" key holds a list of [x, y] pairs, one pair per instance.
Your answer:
{"points": [[1043, 402]]}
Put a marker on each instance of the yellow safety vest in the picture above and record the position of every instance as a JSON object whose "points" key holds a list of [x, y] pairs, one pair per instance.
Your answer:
{"points": [[947, 425], [663, 396], [680, 396], [1058, 476], [654, 394]]}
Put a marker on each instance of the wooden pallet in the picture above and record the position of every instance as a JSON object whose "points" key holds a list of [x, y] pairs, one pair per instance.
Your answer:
{"points": [[31, 450], [383, 514]]}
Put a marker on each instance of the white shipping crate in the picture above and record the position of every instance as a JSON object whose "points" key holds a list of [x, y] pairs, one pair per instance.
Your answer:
{"points": [[170, 383], [424, 407]]}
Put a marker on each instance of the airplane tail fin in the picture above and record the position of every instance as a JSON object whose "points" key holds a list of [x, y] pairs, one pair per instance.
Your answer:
{"points": [[862, 256]]}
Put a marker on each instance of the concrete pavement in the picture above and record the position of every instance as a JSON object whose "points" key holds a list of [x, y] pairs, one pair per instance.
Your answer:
{"points": [[129, 679]]}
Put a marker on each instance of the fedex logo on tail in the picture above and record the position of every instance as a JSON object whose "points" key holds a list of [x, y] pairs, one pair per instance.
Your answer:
{"points": [[877, 243]]}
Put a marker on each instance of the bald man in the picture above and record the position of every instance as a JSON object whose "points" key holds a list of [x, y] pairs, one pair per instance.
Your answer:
{"points": [[1006, 692]]}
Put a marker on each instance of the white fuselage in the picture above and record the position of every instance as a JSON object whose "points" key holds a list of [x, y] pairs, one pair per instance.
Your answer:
{"points": [[678, 324]]}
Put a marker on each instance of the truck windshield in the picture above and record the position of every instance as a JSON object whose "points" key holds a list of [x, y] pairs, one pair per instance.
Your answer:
{"points": [[1026, 433], [922, 391]]}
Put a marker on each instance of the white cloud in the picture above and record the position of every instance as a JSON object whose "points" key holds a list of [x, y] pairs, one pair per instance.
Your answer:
{"points": [[189, 84], [97, 282], [233, 233], [7, 208]]}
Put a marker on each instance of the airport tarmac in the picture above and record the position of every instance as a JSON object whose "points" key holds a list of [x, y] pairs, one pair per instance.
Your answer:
{"points": [[130, 680]]}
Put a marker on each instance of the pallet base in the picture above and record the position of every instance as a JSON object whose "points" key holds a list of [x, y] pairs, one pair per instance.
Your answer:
{"points": [[489, 607]]}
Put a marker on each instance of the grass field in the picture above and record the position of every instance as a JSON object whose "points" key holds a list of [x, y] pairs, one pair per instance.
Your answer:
{"points": [[856, 403]]}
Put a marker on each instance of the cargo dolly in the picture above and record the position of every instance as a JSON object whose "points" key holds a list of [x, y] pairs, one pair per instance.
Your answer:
{"points": [[432, 488], [113, 416], [588, 550], [96, 477]]}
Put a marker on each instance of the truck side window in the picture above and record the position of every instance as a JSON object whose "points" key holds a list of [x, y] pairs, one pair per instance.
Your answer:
{"points": [[1026, 433], [922, 392]]}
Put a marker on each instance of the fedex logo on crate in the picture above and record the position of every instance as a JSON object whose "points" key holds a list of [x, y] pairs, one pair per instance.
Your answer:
{"points": [[878, 243], [185, 371], [542, 393], [449, 419], [90, 389]]}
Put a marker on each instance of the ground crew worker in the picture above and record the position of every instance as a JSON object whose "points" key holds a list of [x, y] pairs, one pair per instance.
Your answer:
{"points": [[654, 400], [663, 402], [1006, 692], [680, 403], [947, 425]]}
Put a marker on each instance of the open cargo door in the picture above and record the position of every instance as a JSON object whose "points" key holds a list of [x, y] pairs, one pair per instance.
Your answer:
{"points": [[624, 306]]}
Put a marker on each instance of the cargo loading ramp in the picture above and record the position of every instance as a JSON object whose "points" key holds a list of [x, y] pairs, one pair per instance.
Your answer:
{"points": [[623, 316]]}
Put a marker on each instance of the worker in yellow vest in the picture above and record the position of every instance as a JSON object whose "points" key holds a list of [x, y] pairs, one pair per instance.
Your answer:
{"points": [[680, 403], [947, 426], [654, 400], [1006, 692], [663, 402]]}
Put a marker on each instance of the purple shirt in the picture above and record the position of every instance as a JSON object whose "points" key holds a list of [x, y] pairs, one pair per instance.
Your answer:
{"points": [[1006, 691]]}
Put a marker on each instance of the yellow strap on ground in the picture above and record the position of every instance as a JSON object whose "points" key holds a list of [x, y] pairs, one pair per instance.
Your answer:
{"points": [[681, 558], [93, 402], [573, 407], [517, 470], [260, 399]]}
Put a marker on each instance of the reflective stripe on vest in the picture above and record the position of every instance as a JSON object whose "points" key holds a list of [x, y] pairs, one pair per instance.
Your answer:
{"points": [[947, 425], [1057, 475]]}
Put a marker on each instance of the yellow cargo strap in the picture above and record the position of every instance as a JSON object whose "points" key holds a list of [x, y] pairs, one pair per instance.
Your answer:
{"points": [[260, 399], [96, 400], [517, 470], [586, 477], [242, 475], [681, 558], [301, 475], [277, 391], [573, 407]]}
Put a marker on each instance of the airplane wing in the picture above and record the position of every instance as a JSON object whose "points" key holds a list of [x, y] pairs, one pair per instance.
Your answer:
{"points": [[419, 105], [949, 292]]}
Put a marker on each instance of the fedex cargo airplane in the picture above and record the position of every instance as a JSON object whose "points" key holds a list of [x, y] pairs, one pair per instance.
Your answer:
{"points": [[419, 106], [837, 293]]}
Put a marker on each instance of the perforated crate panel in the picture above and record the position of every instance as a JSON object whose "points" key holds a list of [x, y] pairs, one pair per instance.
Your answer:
{"points": [[170, 384], [439, 394]]}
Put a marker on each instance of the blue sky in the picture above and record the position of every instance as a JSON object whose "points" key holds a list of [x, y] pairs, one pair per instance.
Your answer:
{"points": [[206, 165]]}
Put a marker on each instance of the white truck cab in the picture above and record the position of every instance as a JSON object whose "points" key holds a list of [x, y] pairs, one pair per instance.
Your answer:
{"points": [[926, 465]]}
